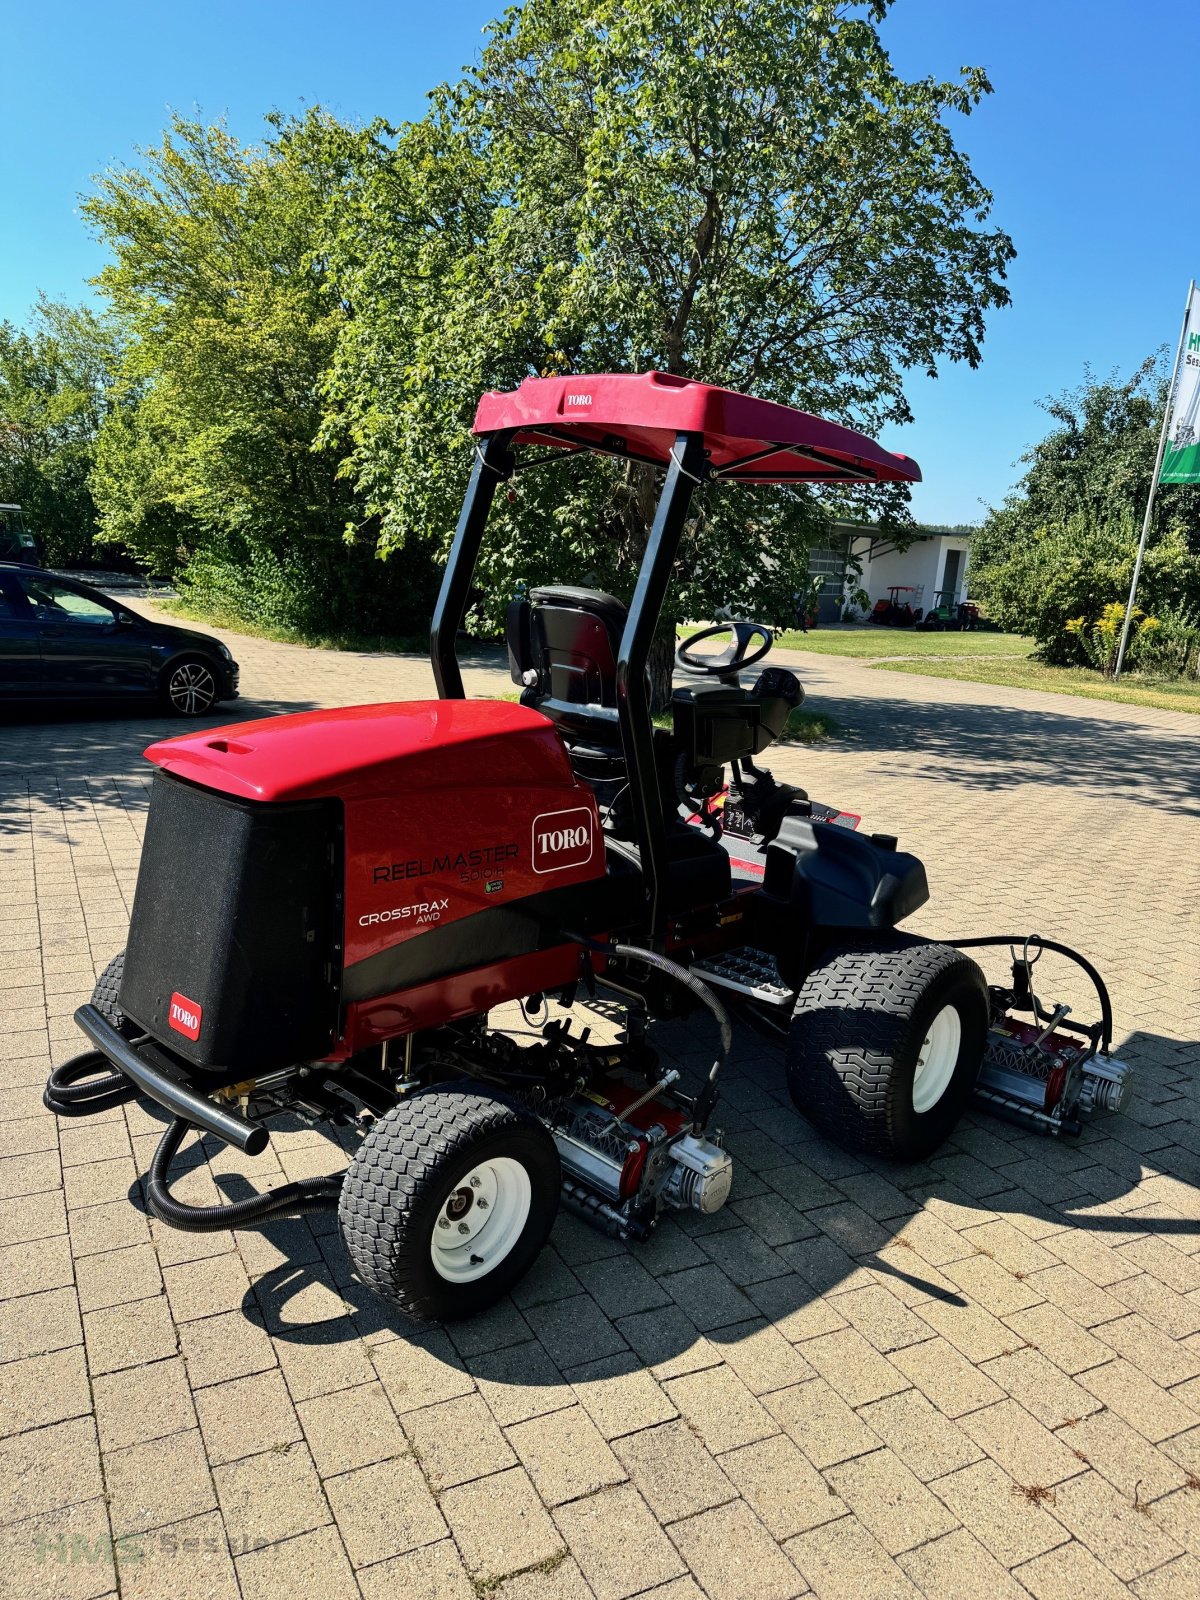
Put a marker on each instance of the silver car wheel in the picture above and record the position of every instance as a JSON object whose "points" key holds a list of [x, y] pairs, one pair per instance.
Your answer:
{"points": [[191, 688]]}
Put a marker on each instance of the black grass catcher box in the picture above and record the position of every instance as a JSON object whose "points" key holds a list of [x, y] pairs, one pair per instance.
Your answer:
{"points": [[233, 944]]}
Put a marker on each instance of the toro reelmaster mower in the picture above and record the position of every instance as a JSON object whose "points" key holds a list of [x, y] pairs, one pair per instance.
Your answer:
{"points": [[330, 904]]}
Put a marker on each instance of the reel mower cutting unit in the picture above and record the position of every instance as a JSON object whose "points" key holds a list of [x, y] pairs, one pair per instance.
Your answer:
{"points": [[330, 905]]}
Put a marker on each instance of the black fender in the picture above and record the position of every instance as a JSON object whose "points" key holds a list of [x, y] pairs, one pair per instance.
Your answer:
{"points": [[823, 877]]}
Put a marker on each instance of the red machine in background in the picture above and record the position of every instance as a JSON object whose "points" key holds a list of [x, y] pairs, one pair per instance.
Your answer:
{"points": [[898, 612]]}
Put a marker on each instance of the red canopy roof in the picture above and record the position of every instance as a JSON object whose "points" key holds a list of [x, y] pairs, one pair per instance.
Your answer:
{"points": [[638, 415]]}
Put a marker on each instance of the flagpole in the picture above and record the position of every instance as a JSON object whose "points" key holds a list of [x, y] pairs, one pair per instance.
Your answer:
{"points": [[1158, 461]]}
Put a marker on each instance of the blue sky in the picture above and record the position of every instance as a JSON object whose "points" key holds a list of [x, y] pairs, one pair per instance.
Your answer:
{"points": [[1089, 144]]}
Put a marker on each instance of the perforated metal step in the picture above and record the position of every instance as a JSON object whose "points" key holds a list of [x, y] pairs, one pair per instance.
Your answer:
{"points": [[746, 971]]}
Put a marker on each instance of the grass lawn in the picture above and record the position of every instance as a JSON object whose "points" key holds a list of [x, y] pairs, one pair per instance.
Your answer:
{"points": [[1002, 658], [1022, 673], [220, 617], [874, 643]]}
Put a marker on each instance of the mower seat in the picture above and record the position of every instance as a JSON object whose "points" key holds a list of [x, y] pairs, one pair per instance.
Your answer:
{"points": [[562, 649]]}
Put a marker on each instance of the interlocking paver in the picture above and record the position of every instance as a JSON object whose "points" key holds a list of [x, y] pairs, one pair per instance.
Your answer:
{"points": [[566, 1455], [1147, 1407], [777, 1480], [927, 1442], [1127, 1541], [638, 1558], [841, 1323], [500, 1525], [64, 1554], [34, 1324], [351, 1428], [246, 1416], [143, 1403], [675, 1473], [1069, 1572], [721, 1408], [455, 1441], [1008, 1517], [957, 1567], [384, 1510], [820, 1422], [50, 1467], [116, 1277], [890, 1501], [430, 1572], [1019, 1443], [843, 1561], [43, 1389], [733, 1555], [313, 1563]]}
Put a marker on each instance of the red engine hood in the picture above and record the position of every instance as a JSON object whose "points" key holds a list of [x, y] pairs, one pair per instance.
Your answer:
{"points": [[357, 749]]}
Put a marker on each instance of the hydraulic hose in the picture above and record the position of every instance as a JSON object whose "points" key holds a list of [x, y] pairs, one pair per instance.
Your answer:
{"points": [[1013, 940], [706, 1100], [67, 1096], [310, 1194]]}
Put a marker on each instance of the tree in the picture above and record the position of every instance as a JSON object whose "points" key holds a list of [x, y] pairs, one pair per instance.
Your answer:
{"points": [[1062, 546], [54, 381], [208, 464], [740, 191]]}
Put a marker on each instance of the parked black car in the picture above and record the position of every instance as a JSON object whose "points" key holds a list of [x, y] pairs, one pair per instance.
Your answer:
{"points": [[64, 640]]}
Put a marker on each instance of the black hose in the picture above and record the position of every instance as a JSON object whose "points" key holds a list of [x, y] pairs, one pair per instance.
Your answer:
{"points": [[1012, 940], [706, 1100], [310, 1194], [67, 1096]]}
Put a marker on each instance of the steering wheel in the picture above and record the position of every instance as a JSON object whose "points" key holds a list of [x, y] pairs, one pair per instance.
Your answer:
{"points": [[741, 656]]}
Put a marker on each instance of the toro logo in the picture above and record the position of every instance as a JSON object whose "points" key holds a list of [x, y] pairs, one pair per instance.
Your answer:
{"points": [[185, 1016], [562, 839]]}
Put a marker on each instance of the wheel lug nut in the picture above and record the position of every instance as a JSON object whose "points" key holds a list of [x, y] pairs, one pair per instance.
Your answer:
{"points": [[462, 1228], [475, 1182], [443, 1222], [481, 1204]]}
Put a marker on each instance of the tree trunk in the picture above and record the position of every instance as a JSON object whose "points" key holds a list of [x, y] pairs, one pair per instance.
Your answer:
{"points": [[661, 666]]}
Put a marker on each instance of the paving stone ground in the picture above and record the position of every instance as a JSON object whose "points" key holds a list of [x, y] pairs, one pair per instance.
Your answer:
{"points": [[978, 1377]]}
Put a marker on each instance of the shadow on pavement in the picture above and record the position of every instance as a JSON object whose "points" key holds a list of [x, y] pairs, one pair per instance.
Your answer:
{"points": [[996, 747], [61, 751], [805, 1219]]}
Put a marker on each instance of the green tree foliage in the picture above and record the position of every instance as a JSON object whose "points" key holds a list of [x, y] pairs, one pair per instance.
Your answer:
{"points": [[1062, 547], [739, 191], [207, 465], [54, 380]]}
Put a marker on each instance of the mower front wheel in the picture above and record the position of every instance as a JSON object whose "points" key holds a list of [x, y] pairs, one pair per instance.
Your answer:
{"points": [[449, 1200], [885, 1045]]}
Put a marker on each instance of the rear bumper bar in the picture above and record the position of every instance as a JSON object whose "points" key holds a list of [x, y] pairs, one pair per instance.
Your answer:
{"points": [[161, 1083]]}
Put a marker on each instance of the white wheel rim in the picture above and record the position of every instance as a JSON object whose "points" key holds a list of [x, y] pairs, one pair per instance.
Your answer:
{"points": [[937, 1059], [480, 1220], [192, 688]]}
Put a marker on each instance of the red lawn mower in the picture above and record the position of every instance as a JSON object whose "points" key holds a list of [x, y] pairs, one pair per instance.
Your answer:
{"points": [[901, 609], [329, 905]]}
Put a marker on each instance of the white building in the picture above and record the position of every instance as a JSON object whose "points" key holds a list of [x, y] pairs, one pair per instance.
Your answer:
{"points": [[935, 560]]}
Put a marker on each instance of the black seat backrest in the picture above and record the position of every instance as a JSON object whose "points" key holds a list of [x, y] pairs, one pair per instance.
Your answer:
{"points": [[563, 644]]}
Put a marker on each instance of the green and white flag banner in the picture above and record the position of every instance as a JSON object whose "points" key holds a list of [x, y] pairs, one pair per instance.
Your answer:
{"points": [[1181, 462]]}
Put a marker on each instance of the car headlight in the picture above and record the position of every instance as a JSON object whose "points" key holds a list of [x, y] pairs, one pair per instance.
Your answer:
{"points": [[224, 650]]}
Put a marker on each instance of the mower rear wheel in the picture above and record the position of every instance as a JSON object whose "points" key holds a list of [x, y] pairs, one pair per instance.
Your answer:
{"points": [[449, 1200], [885, 1045], [106, 996]]}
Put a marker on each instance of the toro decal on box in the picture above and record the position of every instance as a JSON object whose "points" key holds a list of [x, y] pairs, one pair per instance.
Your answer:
{"points": [[185, 1016], [562, 839]]}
